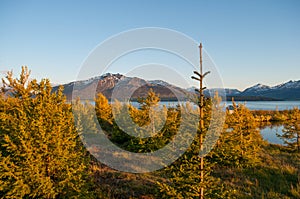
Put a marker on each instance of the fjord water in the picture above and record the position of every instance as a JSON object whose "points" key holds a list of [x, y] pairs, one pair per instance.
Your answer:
{"points": [[252, 105], [268, 105]]}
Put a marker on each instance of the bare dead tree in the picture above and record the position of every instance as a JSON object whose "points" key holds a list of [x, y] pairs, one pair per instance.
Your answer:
{"points": [[200, 77]]}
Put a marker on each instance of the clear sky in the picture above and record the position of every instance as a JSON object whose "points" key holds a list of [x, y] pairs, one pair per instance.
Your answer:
{"points": [[251, 42]]}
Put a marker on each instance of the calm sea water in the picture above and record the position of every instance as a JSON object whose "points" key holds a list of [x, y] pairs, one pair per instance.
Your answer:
{"points": [[252, 105], [268, 105]]}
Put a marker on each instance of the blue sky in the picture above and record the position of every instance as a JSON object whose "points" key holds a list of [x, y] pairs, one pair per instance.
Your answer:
{"points": [[250, 41]]}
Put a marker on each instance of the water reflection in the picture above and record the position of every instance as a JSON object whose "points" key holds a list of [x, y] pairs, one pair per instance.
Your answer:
{"points": [[270, 133]]}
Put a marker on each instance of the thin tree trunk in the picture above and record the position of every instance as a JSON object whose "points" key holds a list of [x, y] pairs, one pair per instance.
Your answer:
{"points": [[201, 122]]}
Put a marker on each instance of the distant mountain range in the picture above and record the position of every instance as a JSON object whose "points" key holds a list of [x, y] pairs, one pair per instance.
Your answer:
{"points": [[286, 91], [105, 84]]}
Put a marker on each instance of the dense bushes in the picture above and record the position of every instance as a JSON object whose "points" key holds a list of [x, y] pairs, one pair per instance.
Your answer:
{"points": [[41, 154]]}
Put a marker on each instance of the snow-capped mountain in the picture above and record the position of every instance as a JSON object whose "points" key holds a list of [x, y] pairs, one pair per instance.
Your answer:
{"points": [[256, 88], [107, 83], [288, 85], [286, 91]]}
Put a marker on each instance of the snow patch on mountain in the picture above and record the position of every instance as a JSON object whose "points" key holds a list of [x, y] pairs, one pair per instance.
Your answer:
{"points": [[159, 82], [288, 85], [257, 88]]}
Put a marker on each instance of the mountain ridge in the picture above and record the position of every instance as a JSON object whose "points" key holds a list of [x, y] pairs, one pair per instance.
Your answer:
{"points": [[289, 90], [107, 83], [139, 87]]}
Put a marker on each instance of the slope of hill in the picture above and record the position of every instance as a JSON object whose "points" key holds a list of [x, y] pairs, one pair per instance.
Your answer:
{"points": [[107, 84]]}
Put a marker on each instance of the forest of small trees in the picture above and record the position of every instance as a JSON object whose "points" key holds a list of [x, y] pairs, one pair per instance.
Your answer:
{"points": [[43, 156]]}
